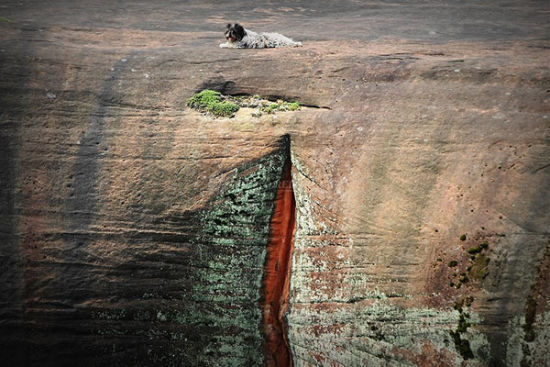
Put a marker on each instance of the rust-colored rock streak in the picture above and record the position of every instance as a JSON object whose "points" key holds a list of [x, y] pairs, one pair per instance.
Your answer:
{"points": [[277, 273]]}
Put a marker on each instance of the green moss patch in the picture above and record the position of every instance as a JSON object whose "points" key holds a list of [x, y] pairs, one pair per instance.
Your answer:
{"points": [[271, 108], [474, 250], [477, 249], [225, 108], [462, 345], [212, 102], [478, 270]]}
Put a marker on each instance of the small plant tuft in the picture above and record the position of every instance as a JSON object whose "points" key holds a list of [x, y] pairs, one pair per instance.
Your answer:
{"points": [[463, 237], [280, 106], [293, 106], [221, 109], [272, 107]]}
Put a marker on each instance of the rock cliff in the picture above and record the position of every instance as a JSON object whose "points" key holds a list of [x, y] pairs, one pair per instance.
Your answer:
{"points": [[137, 231]]}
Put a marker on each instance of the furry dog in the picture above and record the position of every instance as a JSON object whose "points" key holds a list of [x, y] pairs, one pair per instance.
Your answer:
{"points": [[239, 37]]}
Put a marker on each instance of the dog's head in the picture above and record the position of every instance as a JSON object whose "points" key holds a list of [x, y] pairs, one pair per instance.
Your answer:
{"points": [[234, 32]]}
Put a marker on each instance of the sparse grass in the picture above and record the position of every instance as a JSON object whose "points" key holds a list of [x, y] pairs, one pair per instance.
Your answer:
{"points": [[5, 20], [453, 263]]}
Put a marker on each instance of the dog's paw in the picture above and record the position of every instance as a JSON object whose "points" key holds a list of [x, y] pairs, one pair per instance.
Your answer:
{"points": [[224, 45]]}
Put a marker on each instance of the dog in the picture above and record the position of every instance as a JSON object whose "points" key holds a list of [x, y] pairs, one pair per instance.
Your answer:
{"points": [[239, 37]]}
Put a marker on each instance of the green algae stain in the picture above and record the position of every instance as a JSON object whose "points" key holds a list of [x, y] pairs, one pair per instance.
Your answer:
{"points": [[211, 315], [232, 248]]}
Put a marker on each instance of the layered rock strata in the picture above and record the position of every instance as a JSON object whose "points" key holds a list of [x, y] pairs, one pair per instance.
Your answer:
{"points": [[135, 231]]}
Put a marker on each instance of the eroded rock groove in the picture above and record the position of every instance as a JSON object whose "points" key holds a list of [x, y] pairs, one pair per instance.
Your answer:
{"points": [[278, 271]]}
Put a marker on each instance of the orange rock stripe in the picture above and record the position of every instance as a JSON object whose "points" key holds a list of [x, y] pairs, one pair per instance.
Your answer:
{"points": [[277, 273]]}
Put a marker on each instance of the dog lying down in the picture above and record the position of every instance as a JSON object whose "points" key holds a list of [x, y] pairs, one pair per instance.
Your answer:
{"points": [[239, 37]]}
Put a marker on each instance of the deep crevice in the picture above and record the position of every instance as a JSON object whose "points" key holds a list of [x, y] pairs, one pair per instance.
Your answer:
{"points": [[278, 271], [276, 97]]}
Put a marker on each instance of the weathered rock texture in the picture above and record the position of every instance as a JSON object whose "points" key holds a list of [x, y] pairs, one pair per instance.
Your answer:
{"points": [[134, 231]]}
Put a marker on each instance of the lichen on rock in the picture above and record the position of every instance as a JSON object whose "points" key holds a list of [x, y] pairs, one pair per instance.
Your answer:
{"points": [[232, 245]]}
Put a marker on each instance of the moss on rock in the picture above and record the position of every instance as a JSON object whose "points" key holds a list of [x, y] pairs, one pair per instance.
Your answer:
{"points": [[225, 108], [219, 105], [211, 101], [478, 270]]}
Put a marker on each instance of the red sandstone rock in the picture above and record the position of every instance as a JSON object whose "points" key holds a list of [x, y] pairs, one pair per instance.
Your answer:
{"points": [[119, 206]]}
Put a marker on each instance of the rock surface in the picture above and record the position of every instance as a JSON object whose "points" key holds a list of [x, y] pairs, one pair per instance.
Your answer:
{"points": [[134, 230]]}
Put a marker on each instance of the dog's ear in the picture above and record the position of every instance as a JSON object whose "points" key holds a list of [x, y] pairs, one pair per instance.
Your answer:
{"points": [[239, 31], [228, 25]]}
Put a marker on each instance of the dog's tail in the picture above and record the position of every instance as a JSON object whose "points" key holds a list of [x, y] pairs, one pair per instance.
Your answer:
{"points": [[297, 44]]}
